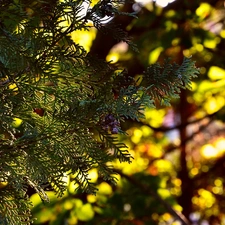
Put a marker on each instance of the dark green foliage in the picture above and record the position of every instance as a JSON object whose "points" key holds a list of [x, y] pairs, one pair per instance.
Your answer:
{"points": [[165, 81], [54, 96]]}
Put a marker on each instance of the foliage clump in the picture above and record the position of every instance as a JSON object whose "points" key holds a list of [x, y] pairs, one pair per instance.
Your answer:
{"points": [[57, 100]]}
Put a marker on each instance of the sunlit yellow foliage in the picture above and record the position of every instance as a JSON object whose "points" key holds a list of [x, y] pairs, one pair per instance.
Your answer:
{"points": [[205, 199], [93, 175], [104, 189], [194, 171], [203, 10], [138, 164], [72, 186], [84, 38], [220, 144], [178, 208], [154, 151], [211, 43], [136, 137], [36, 200], [155, 117], [216, 73], [176, 182], [203, 87], [199, 47], [76, 209], [13, 86], [146, 131], [218, 188], [93, 2], [16, 122], [77, 203], [91, 198], [154, 55], [85, 212], [208, 151], [45, 215], [193, 86], [166, 216], [222, 33], [3, 184], [187, 53], [212, 94], [72, 220], [213, 104], [68, 205], [176, 189], [163, 165], [218, 182], [212, 151]]}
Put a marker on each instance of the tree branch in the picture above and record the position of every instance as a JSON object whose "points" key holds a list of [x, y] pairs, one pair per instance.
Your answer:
{"points": [[147, 190]]}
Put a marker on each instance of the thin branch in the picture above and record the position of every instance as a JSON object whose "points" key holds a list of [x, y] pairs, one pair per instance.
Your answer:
{"points": [[189, 138], [149, 191], [205, 175], [179, 126]]}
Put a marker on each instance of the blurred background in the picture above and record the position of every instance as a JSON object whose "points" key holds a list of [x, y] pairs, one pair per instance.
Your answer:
{"points": [[179, 151]]}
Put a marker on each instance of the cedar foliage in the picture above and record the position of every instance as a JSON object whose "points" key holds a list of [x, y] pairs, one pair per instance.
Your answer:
{"points": [[56, 99]]}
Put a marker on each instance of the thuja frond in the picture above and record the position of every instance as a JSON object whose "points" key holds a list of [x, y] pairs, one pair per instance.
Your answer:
{"points": [[15, 209], [132, 101], [117, 150], [165, 81], [57, 100]]}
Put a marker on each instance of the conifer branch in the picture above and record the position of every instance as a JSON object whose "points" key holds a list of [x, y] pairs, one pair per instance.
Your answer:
{"points": [[56, 100]]}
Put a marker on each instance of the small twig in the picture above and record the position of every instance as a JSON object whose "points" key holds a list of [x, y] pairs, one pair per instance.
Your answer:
{"points": [[189, 138]]}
